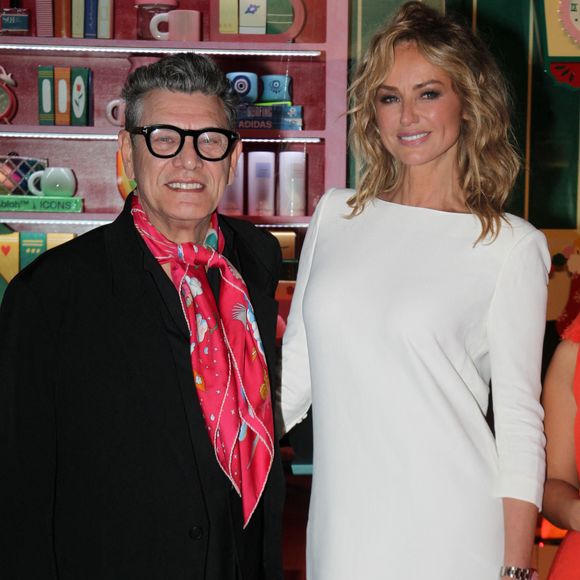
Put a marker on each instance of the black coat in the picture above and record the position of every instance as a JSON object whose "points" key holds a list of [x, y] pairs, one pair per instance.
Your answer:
{"points": [[106, 469]]}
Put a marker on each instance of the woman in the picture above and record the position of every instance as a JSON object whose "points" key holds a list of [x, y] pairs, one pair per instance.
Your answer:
{"points": [[412, 293], [561, 497]]}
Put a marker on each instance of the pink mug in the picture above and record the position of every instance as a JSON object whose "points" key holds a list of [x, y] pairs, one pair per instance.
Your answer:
{"points": [[182, 25]]}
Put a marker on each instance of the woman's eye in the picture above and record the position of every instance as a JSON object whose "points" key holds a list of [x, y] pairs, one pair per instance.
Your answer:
{"points": [[429, 95], [388, 99]]}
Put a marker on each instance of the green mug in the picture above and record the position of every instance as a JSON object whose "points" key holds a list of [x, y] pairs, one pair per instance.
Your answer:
{"points": [[54, 182]]}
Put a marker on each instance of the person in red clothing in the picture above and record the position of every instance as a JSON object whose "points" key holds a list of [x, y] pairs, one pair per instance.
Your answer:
{"points": [[561, 397]]}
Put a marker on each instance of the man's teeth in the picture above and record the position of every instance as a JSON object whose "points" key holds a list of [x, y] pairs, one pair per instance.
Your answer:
{"points": [[178, 185], [413, 137]]}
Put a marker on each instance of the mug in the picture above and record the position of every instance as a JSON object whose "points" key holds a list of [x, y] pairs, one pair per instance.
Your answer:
{"points": [[182, 25], [115, 112], [276, 88], [245, 84], [54, 182]]}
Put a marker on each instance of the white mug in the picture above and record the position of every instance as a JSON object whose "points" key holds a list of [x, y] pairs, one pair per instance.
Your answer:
{"points": [[115, 112], [182, 25], [54, 182]]}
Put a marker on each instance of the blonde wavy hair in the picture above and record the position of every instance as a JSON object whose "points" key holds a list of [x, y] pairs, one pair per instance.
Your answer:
{"points": [[488, 161]]}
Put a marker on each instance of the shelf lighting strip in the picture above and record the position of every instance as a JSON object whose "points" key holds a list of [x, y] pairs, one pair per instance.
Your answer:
{"points": [[113, 137], [31, 221], [95, 223], [160, 50]]}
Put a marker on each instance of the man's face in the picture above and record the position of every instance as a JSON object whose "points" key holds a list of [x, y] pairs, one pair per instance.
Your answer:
{"points": [[180, 193]]}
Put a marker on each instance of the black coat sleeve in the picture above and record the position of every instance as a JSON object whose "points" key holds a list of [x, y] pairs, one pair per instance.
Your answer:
{"points": [[28, 358]]}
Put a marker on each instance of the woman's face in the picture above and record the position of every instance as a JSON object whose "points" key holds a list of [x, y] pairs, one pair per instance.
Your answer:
{"points": [[418, 111]]}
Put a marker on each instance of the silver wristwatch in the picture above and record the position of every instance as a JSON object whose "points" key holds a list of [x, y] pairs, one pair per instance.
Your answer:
{"points": [[518, 573]]}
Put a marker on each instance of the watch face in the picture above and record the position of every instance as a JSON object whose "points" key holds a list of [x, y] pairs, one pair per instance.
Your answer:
{"points": [[569, 11]]}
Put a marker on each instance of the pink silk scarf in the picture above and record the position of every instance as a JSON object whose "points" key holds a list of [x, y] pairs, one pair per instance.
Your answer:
{"points": [[227, 357]]}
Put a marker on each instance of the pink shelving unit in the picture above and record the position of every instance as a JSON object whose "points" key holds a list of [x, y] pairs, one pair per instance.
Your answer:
{"points": [[316, 59]]}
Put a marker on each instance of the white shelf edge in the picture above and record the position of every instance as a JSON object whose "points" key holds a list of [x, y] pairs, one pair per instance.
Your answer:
{"points": [[158, 50], [282, 226], [113, 137], [60, 222]]}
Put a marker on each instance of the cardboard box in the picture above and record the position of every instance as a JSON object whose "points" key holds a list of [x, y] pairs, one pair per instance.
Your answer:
{"points": [[9, 257], [46, 95], [45, 204], [287, 241], [253, 16], [62, 95], [228, 17]]}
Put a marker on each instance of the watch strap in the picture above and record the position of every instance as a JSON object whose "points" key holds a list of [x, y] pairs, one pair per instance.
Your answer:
{"points": [[518, 573]]}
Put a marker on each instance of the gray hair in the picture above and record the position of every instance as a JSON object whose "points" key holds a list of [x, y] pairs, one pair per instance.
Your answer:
{"points": [[184, 73]]}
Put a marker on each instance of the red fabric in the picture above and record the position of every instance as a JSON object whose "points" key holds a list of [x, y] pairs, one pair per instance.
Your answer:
{"points": [[227, 357]]}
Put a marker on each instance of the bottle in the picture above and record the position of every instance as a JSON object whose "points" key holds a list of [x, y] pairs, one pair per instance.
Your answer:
{"points": [[15, 21], [292, 183], [261, 183], [146, 10]]}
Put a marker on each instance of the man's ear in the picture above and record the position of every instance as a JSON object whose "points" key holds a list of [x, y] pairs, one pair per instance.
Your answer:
{"points": [[126, 148]]}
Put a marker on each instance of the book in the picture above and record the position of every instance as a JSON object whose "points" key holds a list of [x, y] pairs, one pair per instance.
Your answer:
{"points": [[32, 244], [91, 18], [9, 258], [80, 96], [46, 95], [62, 18], [54, 239], [44, 18], [279, 16], [41, 203], [105, 19], [252, 18], [228, 16], [78, 18], [62, 95]]}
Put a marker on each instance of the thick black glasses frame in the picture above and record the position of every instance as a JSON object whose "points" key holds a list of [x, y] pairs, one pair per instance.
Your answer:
{"points": [[183, 133]]}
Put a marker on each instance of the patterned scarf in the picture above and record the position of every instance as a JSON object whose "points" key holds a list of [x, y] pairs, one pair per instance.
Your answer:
{"points": [[227, 357]]}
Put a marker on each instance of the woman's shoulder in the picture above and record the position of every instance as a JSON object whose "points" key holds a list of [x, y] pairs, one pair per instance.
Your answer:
{"points": [[515, 230]]}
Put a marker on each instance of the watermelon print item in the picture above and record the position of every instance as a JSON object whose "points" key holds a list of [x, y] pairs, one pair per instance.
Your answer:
{"points": [[227, 357]]}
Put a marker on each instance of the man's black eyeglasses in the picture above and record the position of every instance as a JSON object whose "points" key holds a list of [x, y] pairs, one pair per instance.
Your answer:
{"points": [[211, 143]]}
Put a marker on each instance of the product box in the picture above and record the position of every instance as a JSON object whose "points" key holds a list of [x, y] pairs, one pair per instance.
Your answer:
{"points": [[279, 16], [44, 18], [38, 203], [253, 16], [54, 239], [9, 258], [80, 95], [246, 111], [287, 241], [91, 18], [46, 95], [78, 18], [105, 19], [62, 95], [228, 17], [32, 244], [277, 124]]}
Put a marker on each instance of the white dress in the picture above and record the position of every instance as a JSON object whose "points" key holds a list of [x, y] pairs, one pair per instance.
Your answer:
{"points": [[397, 324]]}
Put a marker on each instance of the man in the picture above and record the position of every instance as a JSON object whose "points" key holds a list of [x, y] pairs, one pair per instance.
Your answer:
{"points": [[136, 432]]}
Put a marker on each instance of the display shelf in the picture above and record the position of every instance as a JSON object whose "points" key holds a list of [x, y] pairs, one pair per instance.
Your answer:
{"points": [[29, 45], [316, 60]]}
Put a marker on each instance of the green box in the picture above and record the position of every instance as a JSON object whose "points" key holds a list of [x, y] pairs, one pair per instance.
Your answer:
{"points": [[41, 204], [279, 16], [80, 95], [46, 95], [32, 244]]}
